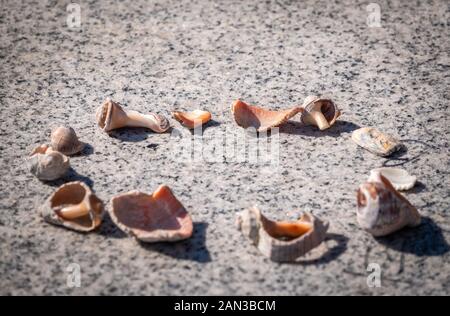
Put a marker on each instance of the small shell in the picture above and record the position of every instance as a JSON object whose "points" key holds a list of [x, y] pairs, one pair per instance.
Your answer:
{"points": [[151, 218], [48, 165], [399, 178], [65, 140], [382, 210], [376, 142], [282, 241], [192, 119], [74, 206], [253, 116], [320, 112]]}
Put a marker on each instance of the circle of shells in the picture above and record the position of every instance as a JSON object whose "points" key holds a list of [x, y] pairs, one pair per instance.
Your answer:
{"points": [[160, 216]]}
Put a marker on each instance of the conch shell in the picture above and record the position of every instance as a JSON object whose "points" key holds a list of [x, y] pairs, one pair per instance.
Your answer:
{"points": [[151, 218], [282, 241], [111, 116], [400, 179], [381, 209], [74, 206], [192, 119], [319, 112], [65, 140], [253, 116], [48, 165], [376, 142]]}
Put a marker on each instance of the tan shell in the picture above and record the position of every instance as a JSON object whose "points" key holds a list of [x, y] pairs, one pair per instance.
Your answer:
{"points": [[110, 116], [399, 178], [65, 140], [382, 210], [74, 206], [376, 142], [192, 119], [253, 116], [319, 112], [48, 165], [151, 218], [282, 241]]}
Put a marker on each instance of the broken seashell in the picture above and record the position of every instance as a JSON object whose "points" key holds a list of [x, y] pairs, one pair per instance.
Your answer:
{"points": [[111, 116], [48, 165], [253, 116], [74, 206], [65, 140], [319, 112], [192, 119], [381, 209], [399, 178], [282, 241], [151, 218], [376, 142]]}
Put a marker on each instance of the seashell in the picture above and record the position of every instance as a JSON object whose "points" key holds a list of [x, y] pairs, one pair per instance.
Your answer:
{"points": [[381, 209], [48, 165], [74, 206], [376, 142], [65, 140], [151, 218], [319, 112], [399, 178], [192, 119], [111, 116], [282, 241], [253, 116]]}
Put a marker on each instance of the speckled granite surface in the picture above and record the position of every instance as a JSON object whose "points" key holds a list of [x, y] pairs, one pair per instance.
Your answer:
{"points": [[161, 55]]}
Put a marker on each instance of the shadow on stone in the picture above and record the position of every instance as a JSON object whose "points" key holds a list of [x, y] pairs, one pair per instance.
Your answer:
{"points": [[298, 128], [131, 135], [331, 254], [193, 249], [425, 240], [109, 229], [211, 123], [418, 188], [71, 176], [87, 151]]}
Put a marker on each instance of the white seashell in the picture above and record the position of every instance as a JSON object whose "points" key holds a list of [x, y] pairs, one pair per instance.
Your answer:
{"points": [[282, 241], [74, 206], [376, 142], [381, 209], [48, 165], [110, 116], [151, 218], [399, 178]]}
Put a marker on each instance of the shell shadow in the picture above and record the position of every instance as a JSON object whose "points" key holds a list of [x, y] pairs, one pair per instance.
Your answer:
{"points": [[71, 176], [131, 135], [418, 188], [109, 229], [193, 249], [87, 151], [426, 240], [298, 128], [210, 123], [331, 254]]}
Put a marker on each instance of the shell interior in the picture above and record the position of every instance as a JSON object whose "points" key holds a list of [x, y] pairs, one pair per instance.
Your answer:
{"points": [[253, 116], [328, 108], [152, 218], [399, 178]]}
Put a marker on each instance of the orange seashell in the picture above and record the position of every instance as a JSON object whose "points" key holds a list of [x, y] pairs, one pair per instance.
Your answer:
{"points": [[320, 112], [192, 119], [253, 116], [151, 218]]}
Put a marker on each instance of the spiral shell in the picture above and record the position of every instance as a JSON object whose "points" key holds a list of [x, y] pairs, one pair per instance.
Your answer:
{"points": [[65, 140], [48, 165]]}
